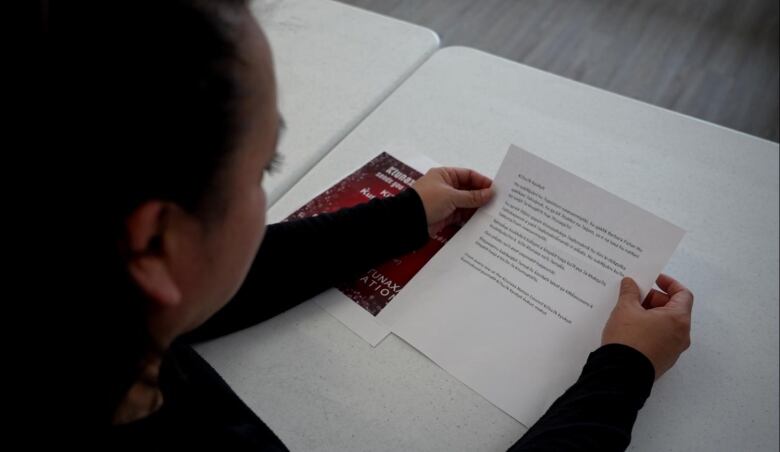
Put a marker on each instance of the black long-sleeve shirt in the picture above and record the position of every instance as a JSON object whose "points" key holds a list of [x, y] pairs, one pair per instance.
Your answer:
{"points": [[200, 410]]}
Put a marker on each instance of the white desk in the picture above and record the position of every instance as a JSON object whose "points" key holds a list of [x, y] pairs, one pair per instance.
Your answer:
{"points": [[334, 64], [322, 388]]}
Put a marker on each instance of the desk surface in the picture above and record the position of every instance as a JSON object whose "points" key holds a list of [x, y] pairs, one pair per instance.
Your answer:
{"points": [[320, 387], [334, 64]]}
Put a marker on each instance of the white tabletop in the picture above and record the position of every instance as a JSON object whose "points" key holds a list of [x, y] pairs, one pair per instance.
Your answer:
{"points": [[334, 64], [320, 387]]}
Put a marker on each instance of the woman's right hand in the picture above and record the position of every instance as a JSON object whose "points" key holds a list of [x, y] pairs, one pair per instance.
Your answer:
{"points": [[659, 328]]}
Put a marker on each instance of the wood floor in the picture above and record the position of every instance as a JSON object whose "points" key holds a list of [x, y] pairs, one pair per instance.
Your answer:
{"points": [[713, 59]]}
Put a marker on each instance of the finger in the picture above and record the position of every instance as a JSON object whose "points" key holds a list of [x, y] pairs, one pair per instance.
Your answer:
{"points": [[468, 179], [668, 284], [463, 215], [655, 299], [679, 295], [471, 199], [629, 293], [682, 300]]}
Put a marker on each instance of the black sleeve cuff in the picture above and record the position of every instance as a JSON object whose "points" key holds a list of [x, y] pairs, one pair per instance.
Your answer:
{"points": [[409, 205], [599, 410], [628, 367]]}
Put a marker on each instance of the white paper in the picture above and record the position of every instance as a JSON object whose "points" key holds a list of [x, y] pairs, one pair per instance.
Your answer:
{"points": [[344, 309], [482, 317]]}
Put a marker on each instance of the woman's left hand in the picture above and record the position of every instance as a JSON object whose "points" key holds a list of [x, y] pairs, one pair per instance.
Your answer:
{"points": [[450, 194]]}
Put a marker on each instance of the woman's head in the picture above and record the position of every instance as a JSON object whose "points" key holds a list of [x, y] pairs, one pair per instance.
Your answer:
{"points": [[189, 255], [167, 112]]}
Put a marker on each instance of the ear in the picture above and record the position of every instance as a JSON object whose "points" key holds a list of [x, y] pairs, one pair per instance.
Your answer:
{"points": [[147, 264]]}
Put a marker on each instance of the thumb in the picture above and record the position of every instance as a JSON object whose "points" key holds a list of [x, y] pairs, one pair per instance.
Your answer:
{"points": [[629, 293], [471, 199]]}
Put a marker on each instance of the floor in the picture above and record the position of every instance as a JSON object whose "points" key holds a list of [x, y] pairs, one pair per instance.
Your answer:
{"points": [[712, 59]]}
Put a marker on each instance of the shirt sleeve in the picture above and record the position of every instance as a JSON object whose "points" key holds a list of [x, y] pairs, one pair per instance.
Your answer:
{"points": [[300, 258], [599, 410]]}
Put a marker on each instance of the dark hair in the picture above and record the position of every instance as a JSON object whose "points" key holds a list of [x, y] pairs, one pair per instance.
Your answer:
{"points": [[145, 99]]}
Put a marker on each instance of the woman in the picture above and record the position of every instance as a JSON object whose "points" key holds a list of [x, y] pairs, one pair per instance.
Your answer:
{"points": [[168, 115]]}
